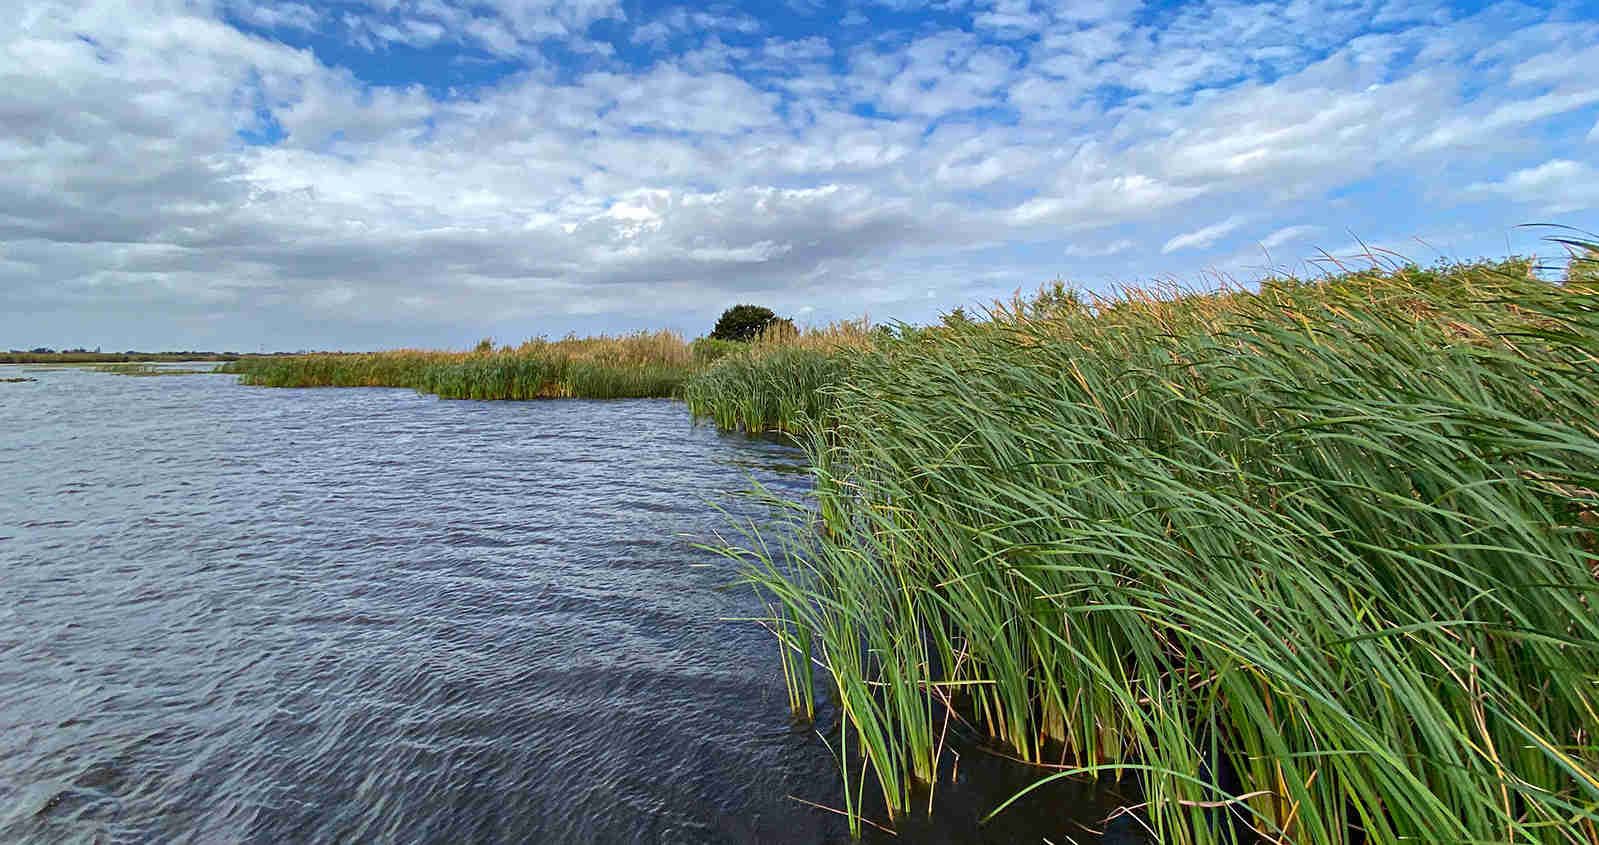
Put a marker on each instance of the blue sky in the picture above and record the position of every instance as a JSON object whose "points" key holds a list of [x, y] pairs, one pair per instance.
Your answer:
{"points": [[372, 173]]}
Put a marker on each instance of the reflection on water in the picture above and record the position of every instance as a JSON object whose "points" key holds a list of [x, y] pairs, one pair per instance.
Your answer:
{"points": [[237, 614]]}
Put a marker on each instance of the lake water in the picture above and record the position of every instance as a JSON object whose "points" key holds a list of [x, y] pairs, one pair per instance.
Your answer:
{"points": [[238, 614]]}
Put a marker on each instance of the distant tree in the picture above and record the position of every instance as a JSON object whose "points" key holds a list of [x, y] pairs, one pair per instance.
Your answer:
{"points": [[744, 323], [484, 346]]}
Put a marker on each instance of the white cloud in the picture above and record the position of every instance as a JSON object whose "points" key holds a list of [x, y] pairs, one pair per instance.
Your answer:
{"points": [[1012, 18], [1116, 247], [1464, 131], [678, 22], [1286, 235], [504, 27], [1203, 237], [1099, 199], [1558, 186], [934, 75], [280, 16], [673, 99], [783, 50]]}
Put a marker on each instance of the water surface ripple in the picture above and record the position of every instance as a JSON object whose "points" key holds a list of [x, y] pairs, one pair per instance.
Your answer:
{"points": [[250, 615]]}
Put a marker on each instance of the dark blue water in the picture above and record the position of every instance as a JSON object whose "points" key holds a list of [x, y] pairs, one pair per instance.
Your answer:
{"points": [[237, 614]]}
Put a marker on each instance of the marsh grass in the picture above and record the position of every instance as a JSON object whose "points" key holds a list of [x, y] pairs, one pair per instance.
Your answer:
{"points": [[142, 370], [651, 364], [781, 381], [1313, 563]]}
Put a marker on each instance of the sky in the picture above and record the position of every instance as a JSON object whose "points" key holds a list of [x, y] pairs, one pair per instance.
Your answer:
{"points": [[357, 174]]}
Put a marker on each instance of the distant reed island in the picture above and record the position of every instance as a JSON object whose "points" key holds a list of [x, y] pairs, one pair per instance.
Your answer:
{"points": [[84, 356], [1311, 563]]}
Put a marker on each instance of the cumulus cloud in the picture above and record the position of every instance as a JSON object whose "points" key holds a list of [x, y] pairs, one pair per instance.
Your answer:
{"points": [[212, 167]]}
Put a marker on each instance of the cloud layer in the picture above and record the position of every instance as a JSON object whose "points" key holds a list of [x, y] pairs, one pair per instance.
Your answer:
{"points": [[231, 173]]}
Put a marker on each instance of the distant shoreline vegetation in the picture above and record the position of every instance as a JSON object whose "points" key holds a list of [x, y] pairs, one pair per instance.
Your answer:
{"points": [[658, 364], [647, 364], [83, 356], [1309, 562]]}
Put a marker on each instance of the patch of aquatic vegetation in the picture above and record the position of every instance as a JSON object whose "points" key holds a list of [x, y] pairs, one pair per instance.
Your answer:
{"points": [[147, 370], [653, 364], [780, 382], [1312, 563], [643, 365], [16, 380]]}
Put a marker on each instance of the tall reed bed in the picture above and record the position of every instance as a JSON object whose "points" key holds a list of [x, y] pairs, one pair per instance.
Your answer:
{"points": [[1312, 564], [779, 382], [139, 369], [651, 364]]}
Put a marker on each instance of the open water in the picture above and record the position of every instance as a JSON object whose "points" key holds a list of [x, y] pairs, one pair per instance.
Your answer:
{"points": [[233, 614]]}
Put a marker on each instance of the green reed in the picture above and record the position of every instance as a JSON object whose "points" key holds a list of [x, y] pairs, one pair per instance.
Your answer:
{"points": [[781, 382], [136, 369], [632, 366], [1314, 563], [775, 389]]}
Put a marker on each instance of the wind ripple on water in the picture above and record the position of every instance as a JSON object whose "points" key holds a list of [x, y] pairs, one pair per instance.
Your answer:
{"points": [[249, 615]]}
